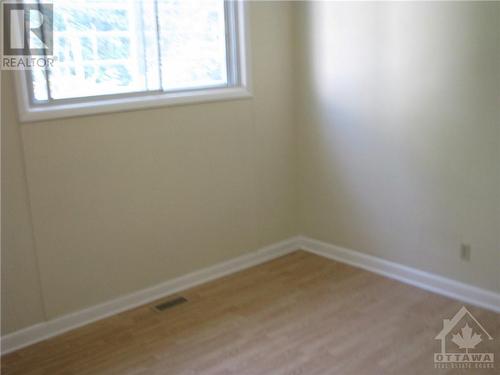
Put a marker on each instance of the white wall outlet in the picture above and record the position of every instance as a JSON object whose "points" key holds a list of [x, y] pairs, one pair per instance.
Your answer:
{"points": [[465, 252]]}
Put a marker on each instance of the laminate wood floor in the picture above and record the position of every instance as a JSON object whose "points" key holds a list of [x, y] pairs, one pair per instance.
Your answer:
{"points": [[298, 314]]}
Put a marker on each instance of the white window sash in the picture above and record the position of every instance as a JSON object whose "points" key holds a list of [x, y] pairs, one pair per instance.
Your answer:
{"points": [[239, 83]]}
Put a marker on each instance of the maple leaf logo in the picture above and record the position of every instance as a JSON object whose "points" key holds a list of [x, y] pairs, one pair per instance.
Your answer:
{"points": [[466, 340]]}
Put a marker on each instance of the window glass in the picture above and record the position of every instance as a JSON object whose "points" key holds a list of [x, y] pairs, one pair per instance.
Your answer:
{"points": [[193, 43], [106, 47]]}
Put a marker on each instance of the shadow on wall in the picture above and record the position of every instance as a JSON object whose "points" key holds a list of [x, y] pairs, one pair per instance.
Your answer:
{"points": [[401, 133]]}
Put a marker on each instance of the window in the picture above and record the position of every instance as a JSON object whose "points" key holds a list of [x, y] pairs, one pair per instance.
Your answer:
{"points": [[126, 54]]}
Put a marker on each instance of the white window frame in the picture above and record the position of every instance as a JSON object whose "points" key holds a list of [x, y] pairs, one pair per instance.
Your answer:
{"points": [[29, 112]]}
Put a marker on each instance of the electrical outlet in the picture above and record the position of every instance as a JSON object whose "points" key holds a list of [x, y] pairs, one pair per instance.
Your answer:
{"points": [[465, 252]]}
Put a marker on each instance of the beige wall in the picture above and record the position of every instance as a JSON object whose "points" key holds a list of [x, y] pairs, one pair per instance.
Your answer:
{"points": [[21, 293], [400, 132], [124, 201]]}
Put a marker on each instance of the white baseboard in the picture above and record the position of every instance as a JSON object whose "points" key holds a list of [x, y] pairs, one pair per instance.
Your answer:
{"points": [[424, 280], [54, 327]]}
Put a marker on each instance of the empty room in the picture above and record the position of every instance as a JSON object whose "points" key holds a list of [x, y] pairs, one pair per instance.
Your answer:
{"points": [[238, 187]]}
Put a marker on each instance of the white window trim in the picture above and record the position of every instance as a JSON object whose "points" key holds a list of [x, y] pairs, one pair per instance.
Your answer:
{"points": [[130, 102]]}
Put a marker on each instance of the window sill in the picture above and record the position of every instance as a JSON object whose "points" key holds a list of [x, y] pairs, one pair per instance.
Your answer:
{"points": [[130, 103]]}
